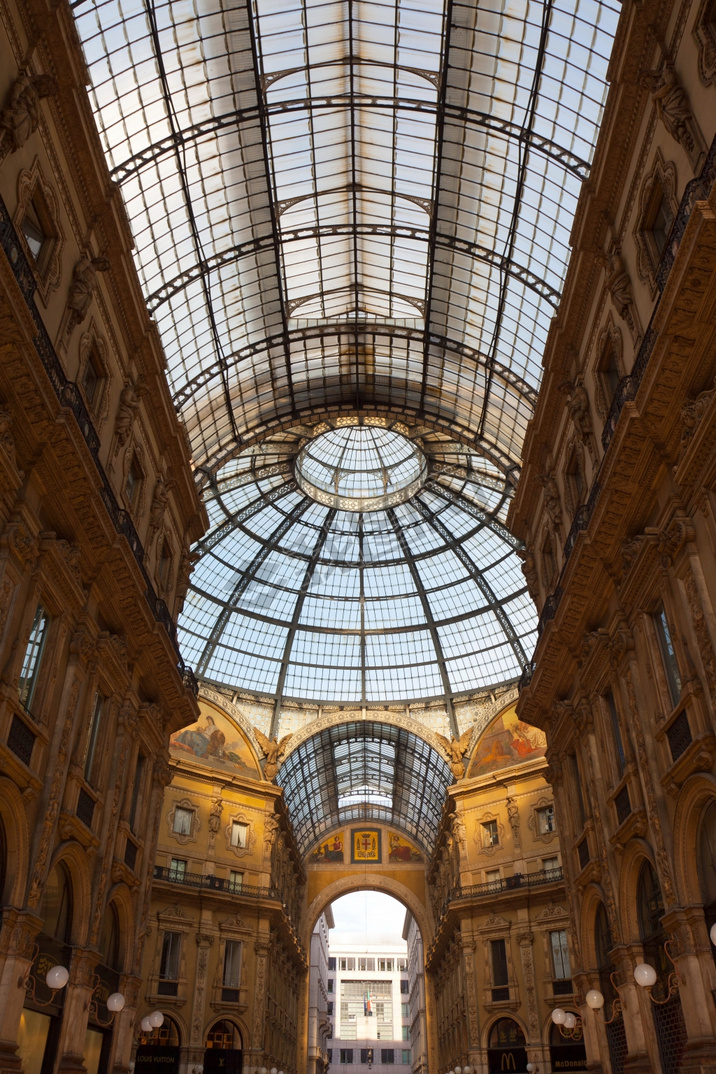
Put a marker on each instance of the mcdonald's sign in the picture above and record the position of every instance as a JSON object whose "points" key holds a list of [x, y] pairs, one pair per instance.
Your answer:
{"points": [[500, 1060]]}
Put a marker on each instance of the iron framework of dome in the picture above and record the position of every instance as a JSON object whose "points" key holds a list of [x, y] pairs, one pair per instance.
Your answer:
{"points": [[357, 209], [299, 599]]}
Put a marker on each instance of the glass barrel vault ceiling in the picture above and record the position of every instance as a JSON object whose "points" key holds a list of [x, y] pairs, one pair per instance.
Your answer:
{"points": [[295, 598], [350, 202]]}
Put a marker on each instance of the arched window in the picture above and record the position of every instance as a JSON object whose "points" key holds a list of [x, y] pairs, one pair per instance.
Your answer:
{"points": [[707, 866], [109, 941], [506, 1034], [223, 1034], [57, 904], [166, 1036]]}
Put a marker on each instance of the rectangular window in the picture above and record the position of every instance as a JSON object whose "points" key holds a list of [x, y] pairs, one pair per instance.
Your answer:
{"points": [[492, 876], [668, 655], [183, 819], [329, 984], [331, 963], [177, 869], [402, 964], [404, 987], [348, 963], [33, 657], [329, 1007], [406, 1032], [21, 740], [499, 963], [137, 789], [385, 965], [549, 864], [560, 955], [236, 881], [490, 834], [366, 1055], [406, 1056], [90, 751], [404, 1010], [616, 734], [232, 964], [387, 1055], [171, 947], [346, 1055], [366, 964], [239, 834], [546, 820]]}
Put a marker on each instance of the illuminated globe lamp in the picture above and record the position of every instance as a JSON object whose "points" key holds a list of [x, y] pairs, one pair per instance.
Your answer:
{"points": [[115, 1002], [712, 934], [57, 977], [645, 975], [595, 999], [559, 1017]]}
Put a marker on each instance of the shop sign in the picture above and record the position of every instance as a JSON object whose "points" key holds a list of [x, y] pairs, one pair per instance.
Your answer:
{"points": [[150, 1060], [500, 1060]]}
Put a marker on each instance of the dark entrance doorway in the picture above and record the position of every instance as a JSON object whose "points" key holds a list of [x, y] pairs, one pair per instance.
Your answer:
{"points": [[506, 1051]]}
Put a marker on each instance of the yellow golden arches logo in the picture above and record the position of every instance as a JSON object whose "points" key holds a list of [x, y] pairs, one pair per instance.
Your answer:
{"points": [[508, 1061]]}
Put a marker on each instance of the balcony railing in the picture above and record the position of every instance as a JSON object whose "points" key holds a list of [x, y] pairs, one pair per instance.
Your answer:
{"points": [[508, 883], [214, 883]]}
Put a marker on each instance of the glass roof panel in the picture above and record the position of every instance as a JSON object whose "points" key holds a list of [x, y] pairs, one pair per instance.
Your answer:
{"points": [[336, 201]]}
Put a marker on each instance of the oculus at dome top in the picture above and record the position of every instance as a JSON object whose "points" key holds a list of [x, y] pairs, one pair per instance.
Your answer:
{"points": [[358, 560]]}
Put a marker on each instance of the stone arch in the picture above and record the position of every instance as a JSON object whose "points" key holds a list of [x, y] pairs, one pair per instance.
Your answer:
{"points": [[695, 796], [497, 1017], [392, 719], [14, 819], [637, 851], [362, 881], [75, 860]]}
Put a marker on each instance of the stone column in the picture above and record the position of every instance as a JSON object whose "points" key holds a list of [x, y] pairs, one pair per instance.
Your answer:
{"points": [[74, 1014], [196, 1033], [17, 945], [254, 1054], [694, 965]]}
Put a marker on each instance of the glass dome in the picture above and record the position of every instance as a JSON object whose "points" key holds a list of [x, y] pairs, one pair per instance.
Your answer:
{"points": [[298, 599], [360, 468]]}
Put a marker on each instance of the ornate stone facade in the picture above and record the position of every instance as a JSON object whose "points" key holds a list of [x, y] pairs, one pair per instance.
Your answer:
{"points": [[623, 681]]}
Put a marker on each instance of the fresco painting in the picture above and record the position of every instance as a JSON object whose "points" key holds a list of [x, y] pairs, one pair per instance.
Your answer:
{"points": [[401, 850], [506, 742], [330, 850], [214, 741]]}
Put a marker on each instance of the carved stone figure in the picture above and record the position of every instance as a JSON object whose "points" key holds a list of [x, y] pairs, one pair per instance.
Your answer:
{"points": [[186, 566], [620, 288], [127, 411], [158, 507], [215, 816], [82, 288], [552, 501], [457, 748], [672, 105], [21, 115], [578, 407], [273, 752], [514, 817]]}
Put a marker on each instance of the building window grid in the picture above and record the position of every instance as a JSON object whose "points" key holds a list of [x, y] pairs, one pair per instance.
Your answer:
{"points": [[183, 820], [668, 655]]}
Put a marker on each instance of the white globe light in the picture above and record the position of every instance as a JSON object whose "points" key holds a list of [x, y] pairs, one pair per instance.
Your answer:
{"points": [[645, 975], [157, 1019], [712, 934], [115, 1002], [530, 1068], [570, 1020], [559, 1016], [594, 999], [57, 977], [262, 1070], [274, 1070], [467, 1070], [147, 1026]]}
